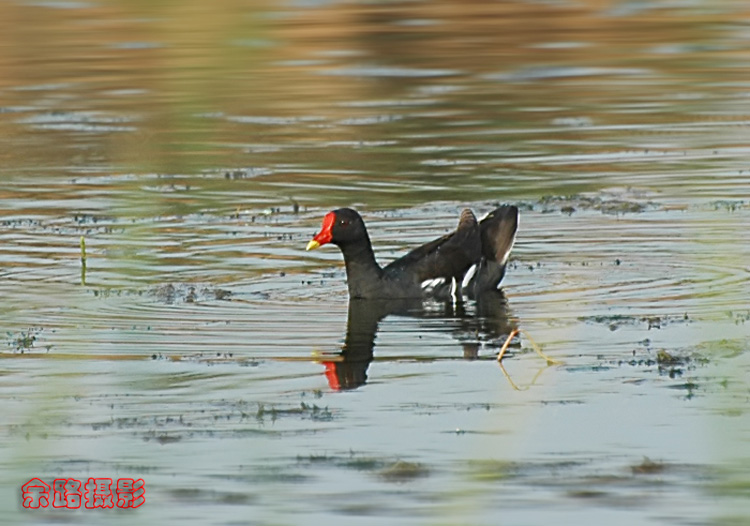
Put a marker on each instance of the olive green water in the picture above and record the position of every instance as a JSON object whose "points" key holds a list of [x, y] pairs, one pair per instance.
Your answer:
{"points": [[196, 148]]}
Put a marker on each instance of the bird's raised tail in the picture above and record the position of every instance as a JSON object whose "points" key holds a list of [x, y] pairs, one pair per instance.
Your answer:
{"points": [[498, 233]]}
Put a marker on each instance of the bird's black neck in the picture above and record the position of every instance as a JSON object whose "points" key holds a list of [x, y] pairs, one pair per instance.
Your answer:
{"points": [[362, 271]]}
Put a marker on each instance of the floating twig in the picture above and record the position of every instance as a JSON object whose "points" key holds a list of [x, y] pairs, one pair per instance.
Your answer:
{"points": [[537, 349]]}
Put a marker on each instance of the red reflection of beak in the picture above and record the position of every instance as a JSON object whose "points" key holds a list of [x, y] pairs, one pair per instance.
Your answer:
{"points": [[333, 378], [325, 235]]}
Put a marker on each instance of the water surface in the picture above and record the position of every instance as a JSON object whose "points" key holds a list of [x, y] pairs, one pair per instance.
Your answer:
{"points": [[196, 150]]}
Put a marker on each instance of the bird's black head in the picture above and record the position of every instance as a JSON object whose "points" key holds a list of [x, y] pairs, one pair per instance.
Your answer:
{"points": [[340, 227]]}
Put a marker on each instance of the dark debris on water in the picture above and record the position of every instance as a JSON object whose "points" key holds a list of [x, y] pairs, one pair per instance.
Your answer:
{"points": [[615, 321], [673, 364], [386, 469], [24, 341], [208, 358], [311, 411], [569, 204], [170, 293]]}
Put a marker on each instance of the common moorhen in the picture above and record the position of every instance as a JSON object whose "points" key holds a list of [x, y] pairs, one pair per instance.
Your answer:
{"points": [[469, 260]]}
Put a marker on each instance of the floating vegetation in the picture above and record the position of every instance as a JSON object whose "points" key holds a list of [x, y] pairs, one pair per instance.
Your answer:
{"points": [[90, 219], [617, 203], [207, 358], [163, 438], [667, 363], [648, 467], [569, 204], [310, 411], [23, 342], [402, 471], [615, 321], [729, 205], [170, 293], [389, 470], [739, 318], [247, 173], [218, 417], [664, 358], [79, 223], [724, 348]]}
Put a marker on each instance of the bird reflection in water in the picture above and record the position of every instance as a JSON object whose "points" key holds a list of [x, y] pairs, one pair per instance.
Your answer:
{"points": [[485, 321]]}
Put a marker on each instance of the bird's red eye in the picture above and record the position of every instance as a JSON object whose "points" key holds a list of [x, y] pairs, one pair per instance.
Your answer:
{"points": [[344, 222]]}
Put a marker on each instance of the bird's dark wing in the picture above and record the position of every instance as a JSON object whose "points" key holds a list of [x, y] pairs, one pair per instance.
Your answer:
{"points": [[446, 257]]}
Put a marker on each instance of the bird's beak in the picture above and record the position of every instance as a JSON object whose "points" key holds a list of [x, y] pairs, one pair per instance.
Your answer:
{"points": [[325, 235]]}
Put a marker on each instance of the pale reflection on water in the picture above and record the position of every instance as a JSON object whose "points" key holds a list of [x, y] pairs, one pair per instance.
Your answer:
{"points": [[196, 148]]}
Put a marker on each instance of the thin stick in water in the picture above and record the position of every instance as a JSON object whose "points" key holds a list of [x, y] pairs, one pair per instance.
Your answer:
{"points": [[534, 346]]}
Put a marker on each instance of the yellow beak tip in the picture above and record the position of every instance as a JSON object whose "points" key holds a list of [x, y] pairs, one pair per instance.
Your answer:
{"points": [[312, 245]]}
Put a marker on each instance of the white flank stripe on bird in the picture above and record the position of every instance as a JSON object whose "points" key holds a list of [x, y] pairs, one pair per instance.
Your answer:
{"points": [[469, 274]]}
